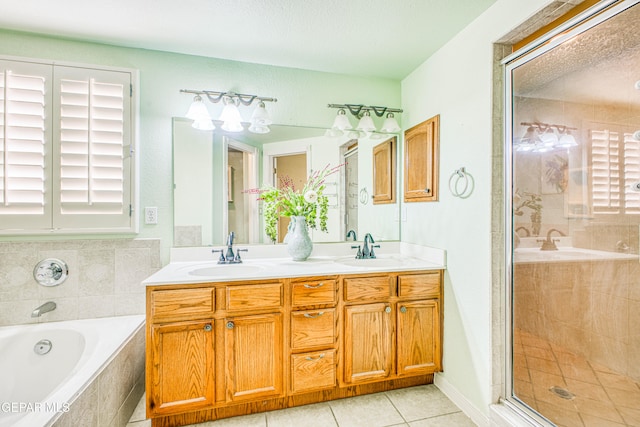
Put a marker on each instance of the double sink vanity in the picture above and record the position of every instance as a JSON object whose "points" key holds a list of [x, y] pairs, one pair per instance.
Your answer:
{"points": [[271, 333]]}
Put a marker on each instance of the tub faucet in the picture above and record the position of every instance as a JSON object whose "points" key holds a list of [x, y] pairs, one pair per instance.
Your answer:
{"points": [[549, 244], [47, 306]]}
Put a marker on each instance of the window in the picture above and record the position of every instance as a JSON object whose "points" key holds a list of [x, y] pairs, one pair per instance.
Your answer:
{"points": [[66, 145], [615, 167]]}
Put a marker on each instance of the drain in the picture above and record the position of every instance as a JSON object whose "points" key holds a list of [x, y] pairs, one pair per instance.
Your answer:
{"points": [[42, 347], [561, 392]]}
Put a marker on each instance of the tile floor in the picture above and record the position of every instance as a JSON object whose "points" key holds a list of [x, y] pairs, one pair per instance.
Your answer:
{"points": [[422, 406], [599, 396]]}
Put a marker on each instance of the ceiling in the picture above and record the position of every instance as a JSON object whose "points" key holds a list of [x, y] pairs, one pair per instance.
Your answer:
{"points": [[381, 38]]}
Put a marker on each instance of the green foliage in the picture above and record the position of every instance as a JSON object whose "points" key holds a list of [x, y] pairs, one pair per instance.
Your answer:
{"points": [[309, 202]]}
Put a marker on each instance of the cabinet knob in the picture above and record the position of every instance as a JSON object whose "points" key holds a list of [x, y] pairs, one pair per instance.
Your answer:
{"points": [[387, 310], [403, 309], [427, 190], [207, 327], [230, 324], [311, 316]]}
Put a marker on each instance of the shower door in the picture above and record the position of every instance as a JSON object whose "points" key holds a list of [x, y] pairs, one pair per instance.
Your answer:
{"points": [[573, 220]]}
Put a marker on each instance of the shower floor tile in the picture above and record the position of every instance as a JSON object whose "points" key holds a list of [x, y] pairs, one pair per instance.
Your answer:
{"points": [[586, 394]]}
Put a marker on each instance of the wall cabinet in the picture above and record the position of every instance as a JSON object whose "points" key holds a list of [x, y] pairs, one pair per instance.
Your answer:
{"points": [[421, 161], [216, 350]]}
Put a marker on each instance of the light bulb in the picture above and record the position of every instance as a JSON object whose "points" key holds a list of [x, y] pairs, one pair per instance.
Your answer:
{"points": [[231, 117], [366, 123], [390, 124], [197, 110], [260, 116]]}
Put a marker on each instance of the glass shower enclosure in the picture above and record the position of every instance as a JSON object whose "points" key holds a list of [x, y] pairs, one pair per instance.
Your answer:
{"points": [[573, 220]]}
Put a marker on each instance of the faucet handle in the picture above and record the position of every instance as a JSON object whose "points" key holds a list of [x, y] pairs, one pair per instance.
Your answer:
{"points": [[359, 253], [237, 259], [371, 253], [222, 258]]}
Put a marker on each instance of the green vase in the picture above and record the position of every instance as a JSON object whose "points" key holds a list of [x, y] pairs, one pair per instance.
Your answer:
{"points": [[299, 243]]}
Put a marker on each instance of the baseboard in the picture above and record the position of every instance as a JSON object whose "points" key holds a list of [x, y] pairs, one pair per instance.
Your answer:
{"points": [[461, 401]]}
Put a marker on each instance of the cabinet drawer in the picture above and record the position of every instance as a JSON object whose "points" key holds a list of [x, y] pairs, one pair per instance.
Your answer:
{"points": [[366, 288], [313, 328], [183, 302], [313, 292], [426, 285], [247, 297], [312, 371]]}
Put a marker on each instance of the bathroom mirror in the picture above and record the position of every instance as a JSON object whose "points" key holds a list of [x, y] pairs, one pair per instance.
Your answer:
{"points": [[212, 171]]}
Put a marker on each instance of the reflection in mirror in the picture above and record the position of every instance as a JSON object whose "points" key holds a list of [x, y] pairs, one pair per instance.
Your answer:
{"points": [[213, 169]]}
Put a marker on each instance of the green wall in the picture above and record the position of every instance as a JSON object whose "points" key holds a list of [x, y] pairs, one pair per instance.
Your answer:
{"points": [[302, 100]]}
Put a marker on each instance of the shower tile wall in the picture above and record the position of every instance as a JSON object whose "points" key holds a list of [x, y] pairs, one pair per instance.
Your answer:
{"points": [[591, 308], [104, 278]]}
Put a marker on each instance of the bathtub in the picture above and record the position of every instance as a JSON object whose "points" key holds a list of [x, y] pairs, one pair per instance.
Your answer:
{"points": [[45, 367]]}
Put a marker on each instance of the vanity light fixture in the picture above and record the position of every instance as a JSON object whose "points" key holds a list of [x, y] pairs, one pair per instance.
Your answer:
{"points": [[541, 137], [366, 126], [230, 116]]}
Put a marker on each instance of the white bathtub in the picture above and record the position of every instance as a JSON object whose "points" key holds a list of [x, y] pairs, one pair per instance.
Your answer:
{"points": [[36, 389]]}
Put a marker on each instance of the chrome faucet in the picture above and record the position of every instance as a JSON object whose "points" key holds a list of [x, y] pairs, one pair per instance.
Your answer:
{"points": [[229, 257], [367, 251], [44, 308], [549, 244]]}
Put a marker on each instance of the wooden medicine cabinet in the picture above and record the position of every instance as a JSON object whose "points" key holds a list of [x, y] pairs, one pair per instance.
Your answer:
{"points": [[421, 161], [384, 172]]}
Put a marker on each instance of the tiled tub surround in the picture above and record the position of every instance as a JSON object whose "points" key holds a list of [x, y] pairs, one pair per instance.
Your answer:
{"points": [[112, 395], [590, 307], [104, 278]]}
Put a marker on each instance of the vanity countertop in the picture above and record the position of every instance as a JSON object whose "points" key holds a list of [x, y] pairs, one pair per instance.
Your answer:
{"points": [[208, 270], [568, 254]]}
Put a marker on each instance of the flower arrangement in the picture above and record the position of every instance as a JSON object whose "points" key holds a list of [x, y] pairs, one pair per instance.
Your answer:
{"points": [[309, 202]]}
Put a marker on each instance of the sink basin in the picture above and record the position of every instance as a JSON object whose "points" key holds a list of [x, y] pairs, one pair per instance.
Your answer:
{"points": [[381, 262], [226, 270]]}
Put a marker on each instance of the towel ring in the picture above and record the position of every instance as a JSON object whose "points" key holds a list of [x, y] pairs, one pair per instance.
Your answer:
{"points": [[458, 176], [364, 196]]}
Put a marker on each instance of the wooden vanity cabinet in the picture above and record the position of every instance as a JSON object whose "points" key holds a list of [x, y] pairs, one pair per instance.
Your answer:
{"points": [[216, 350], [393, 330], [313, 338]]}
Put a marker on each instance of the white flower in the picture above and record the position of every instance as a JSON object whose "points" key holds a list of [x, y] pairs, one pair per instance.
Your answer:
{"points": [[310, 196]]}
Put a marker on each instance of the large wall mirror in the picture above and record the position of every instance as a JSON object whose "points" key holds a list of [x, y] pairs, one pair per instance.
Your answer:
{"points": [[213, 170]]}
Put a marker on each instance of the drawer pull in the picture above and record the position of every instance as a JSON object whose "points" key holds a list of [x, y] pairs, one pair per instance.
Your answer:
{"points": [[207, 327], [313, 316], [230, 324], [308, 286], [403, 309], [387, 310], [311, 359]]}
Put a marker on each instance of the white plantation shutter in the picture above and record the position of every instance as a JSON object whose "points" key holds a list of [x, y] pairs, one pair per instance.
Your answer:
{"points": [[25, 129], [94, 145], [65, 149], [615, 165]]}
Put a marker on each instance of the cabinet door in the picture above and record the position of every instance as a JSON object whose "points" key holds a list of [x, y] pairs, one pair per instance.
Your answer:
{"points": [[367, 342], [418, 342], [421, 147], [384, 172], [181, 369], [253, 353]]}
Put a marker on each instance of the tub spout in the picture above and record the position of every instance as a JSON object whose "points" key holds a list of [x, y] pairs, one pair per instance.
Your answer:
{"points": [[47, 306]]}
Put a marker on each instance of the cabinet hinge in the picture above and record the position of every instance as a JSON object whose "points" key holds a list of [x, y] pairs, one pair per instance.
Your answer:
{"points": [[130, 210], [130, 89]]}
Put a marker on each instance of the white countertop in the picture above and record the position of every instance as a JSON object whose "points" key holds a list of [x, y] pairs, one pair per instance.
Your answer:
{"points": [[198, 265], [567, 254]]}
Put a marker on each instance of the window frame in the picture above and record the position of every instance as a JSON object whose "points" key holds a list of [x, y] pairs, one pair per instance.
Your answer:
{"points": [[89, 223]]}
